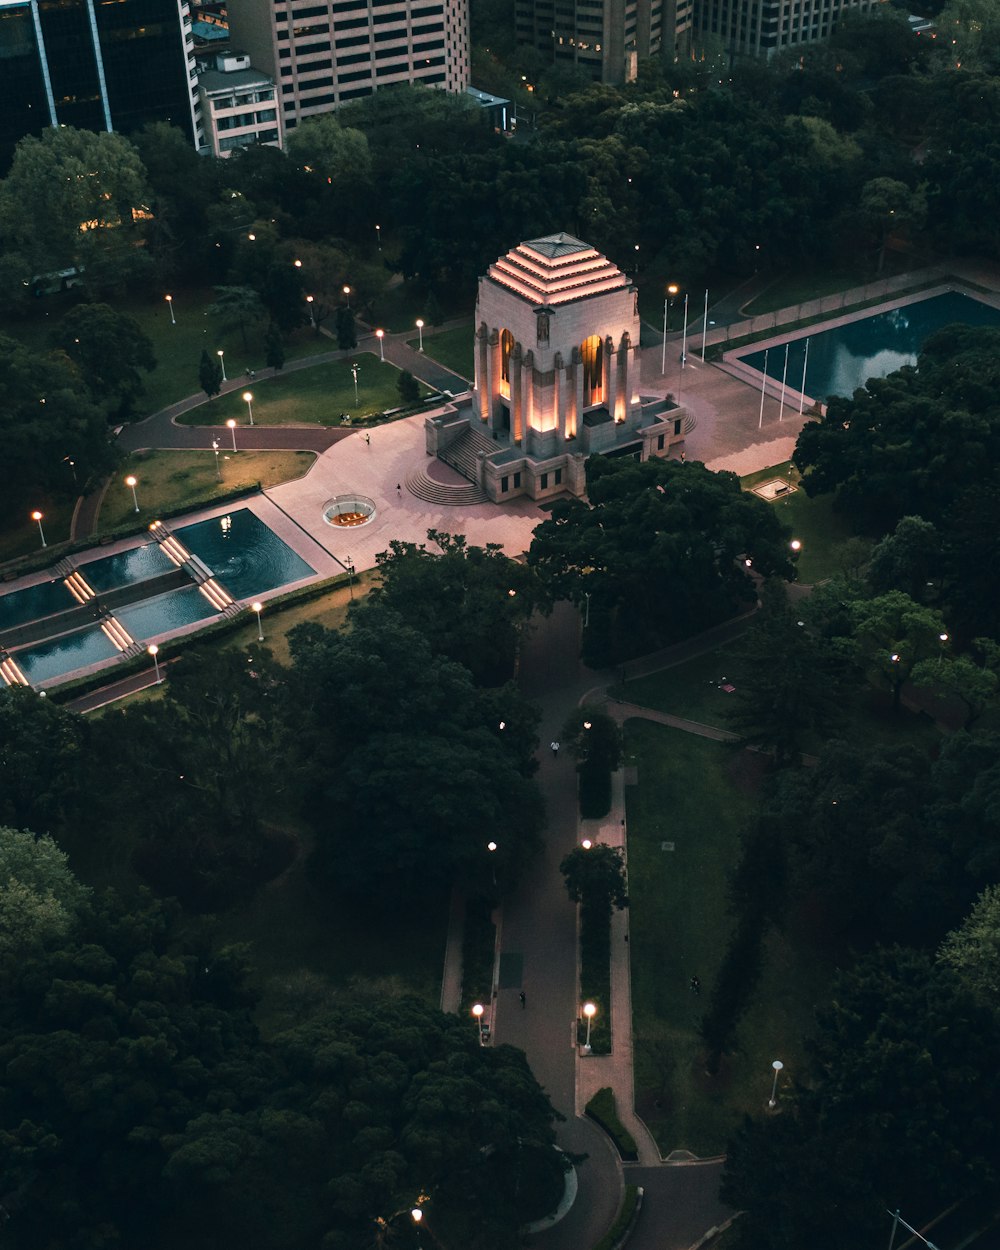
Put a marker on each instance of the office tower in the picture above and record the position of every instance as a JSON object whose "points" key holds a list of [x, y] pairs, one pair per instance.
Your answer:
{"points": [[326, 54], [238, 103], [97, 66], [762, 27]]}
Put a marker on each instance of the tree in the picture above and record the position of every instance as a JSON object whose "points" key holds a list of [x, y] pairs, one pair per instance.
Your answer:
{"points": [[210, 373], [888, 206], [908, 559], [237, 306], [330, 150], [661, 549], [595, 878], [275, 344], [347, 335], [109, 348], [594, 739], [894, 634], [972, 950], [959, 677], [408, 387], [38, 893], [789, 681]]}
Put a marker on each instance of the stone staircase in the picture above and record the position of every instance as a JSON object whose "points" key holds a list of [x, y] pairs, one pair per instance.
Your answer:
{"points": [[462, 453], [448, 496]]}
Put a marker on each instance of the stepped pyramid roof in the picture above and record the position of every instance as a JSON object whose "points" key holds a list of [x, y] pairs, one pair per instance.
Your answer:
{"points": [[556, 269]]}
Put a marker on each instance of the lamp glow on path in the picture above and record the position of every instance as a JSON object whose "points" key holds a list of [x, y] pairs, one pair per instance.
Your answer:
{"points": [[231, 425], [154, 651], [380, 335], [222, 361], [772, 1102], [589, 1010], [248, 400], [170, 305], [420, 331], [477, 1011], [258, 607], [36, 516], [131, 481]]}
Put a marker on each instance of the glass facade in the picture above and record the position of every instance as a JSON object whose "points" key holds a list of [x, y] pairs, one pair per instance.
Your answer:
{"points": [[118, 60]]}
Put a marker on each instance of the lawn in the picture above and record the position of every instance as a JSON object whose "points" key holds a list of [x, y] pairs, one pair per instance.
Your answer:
{"points": [[814, 522], [696, 795], [171, 480], [21, 538], [314, 396], [452, 348], [398, 308], [801, 286]]}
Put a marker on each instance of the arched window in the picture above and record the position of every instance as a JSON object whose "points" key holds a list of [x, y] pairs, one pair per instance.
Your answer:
{"points": [[592, 355], [506, 347]]}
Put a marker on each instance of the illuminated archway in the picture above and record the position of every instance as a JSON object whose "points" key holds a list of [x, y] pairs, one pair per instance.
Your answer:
{"points": [[592, 356], [506, 347]]}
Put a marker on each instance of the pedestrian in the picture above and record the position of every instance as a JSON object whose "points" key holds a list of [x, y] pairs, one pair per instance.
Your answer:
{"points": [[522, 998], [399, 491], [555, 749], [683, 457], [695, 985], [368, 440]]}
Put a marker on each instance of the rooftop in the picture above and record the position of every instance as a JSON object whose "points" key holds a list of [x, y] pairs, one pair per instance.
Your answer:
{"points": [[556, 269], [217, 80]]}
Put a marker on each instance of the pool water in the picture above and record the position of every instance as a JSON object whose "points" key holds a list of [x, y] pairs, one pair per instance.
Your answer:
{"points": [[34, 602], [125, 567], [65, 654], [165, 612], [246, 556], [842, 359]]}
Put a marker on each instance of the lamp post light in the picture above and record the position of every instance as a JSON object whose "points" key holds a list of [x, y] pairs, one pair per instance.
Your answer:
{"points": [[586, 613], [795, 545], [218, 468], [492, 848], [772, 1102], [258, 607], [378, 236], [477, 1011], [310, 300], [354, 374], [668, 300], [350, 574], [942, 638], [222, 361], [231, 425], [589, 1010], [248, 400], [297, 263], [154, 651], [131, 481], [36, 516], [380, 335], [586, 844], [420, 331], [347, 293], [170, 305]]}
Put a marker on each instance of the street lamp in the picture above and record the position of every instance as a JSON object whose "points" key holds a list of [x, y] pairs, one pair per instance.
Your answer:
{"points": [[347, 292], [257, 607], [131, 481], [170, 305], [772, 1102], [154, 651], [492, 848], [795, 545], [420, 331], [36, 516], [231, 424], [248, 400], [586, 844], [222, 361], [477, 1011], [589, 1010], [354, 373], [312, 317], [378, 236], [380, 335], [350, 574], [668, 300], [297, 264], [218, 469]]}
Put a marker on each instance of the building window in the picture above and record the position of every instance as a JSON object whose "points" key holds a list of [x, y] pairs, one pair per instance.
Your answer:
{"points": [[677, 426], [506, 347], [517, 480], [544, 483], [504, 483], [659, 442], [559, 477], [592, 355]]}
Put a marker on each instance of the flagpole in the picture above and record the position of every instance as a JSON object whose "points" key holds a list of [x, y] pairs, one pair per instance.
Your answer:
{"points": [[784, 374], [704, 327], [802, 392], [684, 340], [763, 383], [663, 358]]}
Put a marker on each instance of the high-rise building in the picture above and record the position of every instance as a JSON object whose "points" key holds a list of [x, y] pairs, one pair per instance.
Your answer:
{"points": [[97, 66], [762, 27], [324, 53], [604, 37]]}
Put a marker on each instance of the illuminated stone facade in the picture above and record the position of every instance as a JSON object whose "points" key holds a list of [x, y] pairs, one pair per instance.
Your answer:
{"points": [[556, 372]]}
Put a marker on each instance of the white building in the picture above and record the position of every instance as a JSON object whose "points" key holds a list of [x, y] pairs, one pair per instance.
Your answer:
{"points": [[238, 105], [557, 376]]}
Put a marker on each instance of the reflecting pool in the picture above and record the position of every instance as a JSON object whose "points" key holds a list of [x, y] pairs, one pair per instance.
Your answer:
{"points": [[65, 654], [244, 554]]}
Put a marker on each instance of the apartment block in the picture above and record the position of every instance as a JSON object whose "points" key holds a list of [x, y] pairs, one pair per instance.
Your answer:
{"points": [[323, 55], [763, 27], [239, 104]]}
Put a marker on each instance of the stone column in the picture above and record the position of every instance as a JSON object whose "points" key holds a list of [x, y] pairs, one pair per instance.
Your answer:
{"points": [[516, 411], [610, 377], [559, 397], [622, 397], [482, 372], [493, 377], [529, 433], [577, 375]]}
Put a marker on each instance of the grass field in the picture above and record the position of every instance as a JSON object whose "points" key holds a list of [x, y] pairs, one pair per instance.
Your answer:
{"points": [[813, 522], [452, 348], [315, 396], [398, 308], [800, 287], [168, 480], [23, 538], [696, 794]]}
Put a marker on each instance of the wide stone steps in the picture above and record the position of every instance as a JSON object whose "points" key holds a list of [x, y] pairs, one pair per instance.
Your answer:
{"points": [[462, 454], [447, 496]]}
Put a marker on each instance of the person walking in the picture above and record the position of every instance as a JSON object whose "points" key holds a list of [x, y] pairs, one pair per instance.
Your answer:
{"points": [[368, 440], [555, 749], [399, 491]]}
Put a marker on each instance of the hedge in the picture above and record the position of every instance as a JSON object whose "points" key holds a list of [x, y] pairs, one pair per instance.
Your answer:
{"points": [[616, 1234], [603, 1111]]}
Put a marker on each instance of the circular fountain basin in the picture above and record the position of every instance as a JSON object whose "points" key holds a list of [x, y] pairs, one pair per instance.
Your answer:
{"points": [[348, 511]]}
